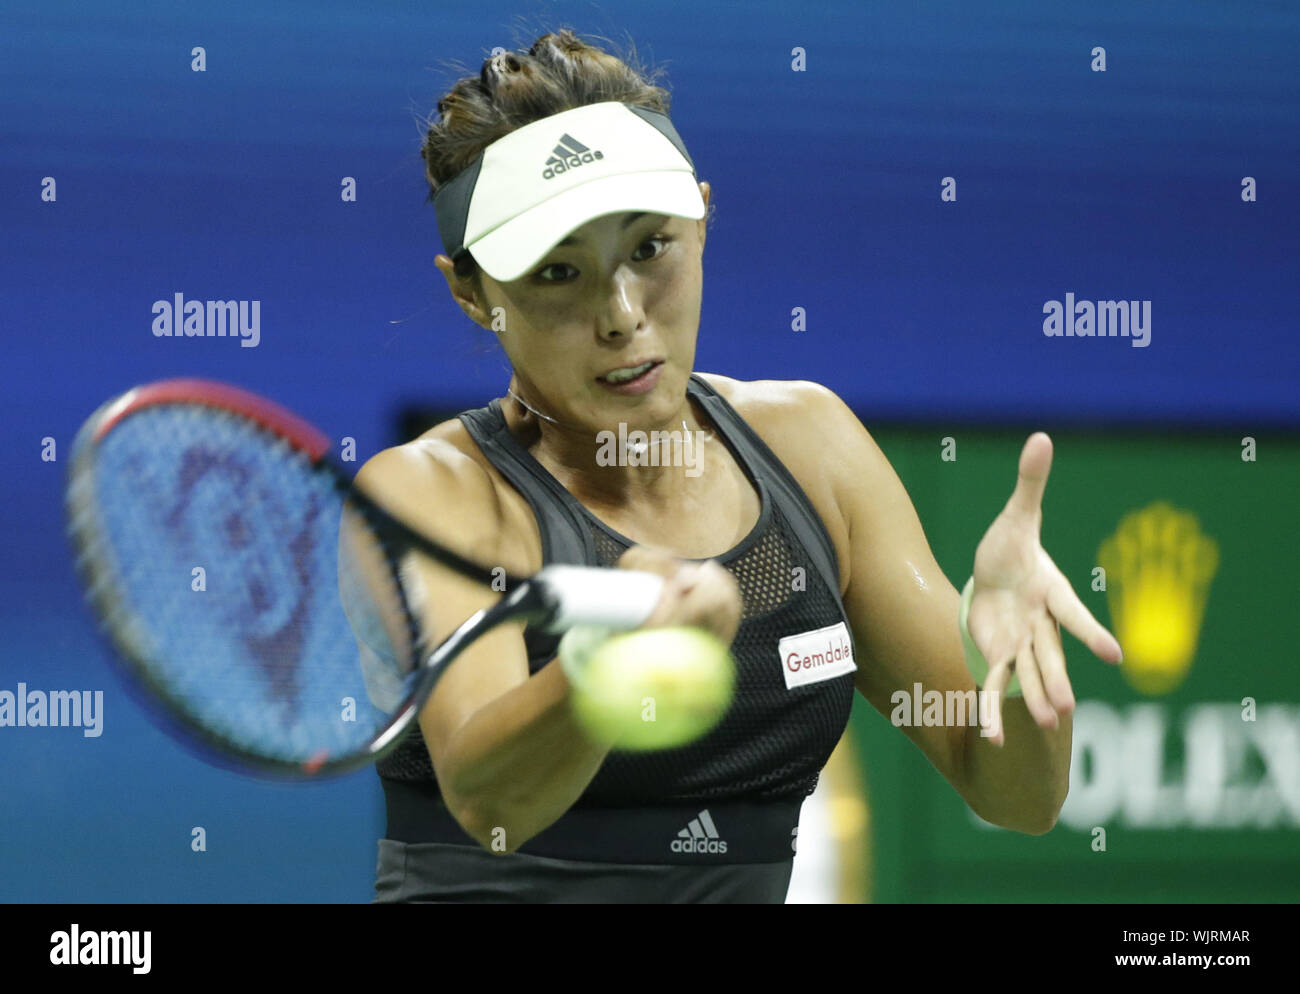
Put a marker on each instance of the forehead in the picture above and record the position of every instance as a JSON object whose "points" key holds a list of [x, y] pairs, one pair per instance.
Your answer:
{"points": [[623, 221]]}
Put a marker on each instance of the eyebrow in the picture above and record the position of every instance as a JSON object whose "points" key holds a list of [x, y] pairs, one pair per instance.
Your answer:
{"points": [[631, 220]]}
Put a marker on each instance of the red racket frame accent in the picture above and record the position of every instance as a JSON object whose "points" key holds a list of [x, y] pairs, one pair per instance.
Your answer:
{"points": [[299, 433]]}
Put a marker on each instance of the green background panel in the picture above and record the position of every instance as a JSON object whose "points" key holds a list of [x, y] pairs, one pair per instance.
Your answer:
{"points": [[928, 846]]}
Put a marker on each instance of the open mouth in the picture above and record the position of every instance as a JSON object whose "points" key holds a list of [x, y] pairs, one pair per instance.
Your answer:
{"points": [[632, 379]]}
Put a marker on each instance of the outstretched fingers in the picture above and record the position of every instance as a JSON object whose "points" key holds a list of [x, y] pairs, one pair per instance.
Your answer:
{"points": [[1031, 481], [1066, 608]]}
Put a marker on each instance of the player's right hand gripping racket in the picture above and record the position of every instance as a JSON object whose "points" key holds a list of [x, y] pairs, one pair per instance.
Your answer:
{"points": [[257, 593]]}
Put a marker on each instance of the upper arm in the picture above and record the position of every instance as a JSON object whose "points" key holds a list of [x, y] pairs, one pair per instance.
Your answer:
{"points": [[901, 606], [450, 497]]}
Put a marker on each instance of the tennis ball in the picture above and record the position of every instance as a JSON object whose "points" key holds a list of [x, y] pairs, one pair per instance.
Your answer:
{"points": [[657, 688]]}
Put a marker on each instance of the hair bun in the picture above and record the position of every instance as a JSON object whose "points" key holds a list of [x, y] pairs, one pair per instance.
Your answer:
{"points": [[558, 72]]}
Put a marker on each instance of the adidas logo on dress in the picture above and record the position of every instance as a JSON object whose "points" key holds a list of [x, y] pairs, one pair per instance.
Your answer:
{"points": [[700, 836]]}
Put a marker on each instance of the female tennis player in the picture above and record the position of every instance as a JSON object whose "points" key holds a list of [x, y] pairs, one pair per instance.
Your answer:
{"points": [[574, 228]]}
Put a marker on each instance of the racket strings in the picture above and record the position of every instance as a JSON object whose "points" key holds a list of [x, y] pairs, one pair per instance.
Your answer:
{"points": [[253, 595]]}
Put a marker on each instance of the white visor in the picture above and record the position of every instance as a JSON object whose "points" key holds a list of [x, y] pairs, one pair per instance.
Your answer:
{"points": [[531, 188]]}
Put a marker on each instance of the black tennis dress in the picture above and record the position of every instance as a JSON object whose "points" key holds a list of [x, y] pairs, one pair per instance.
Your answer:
{"points": [[713, 821]]}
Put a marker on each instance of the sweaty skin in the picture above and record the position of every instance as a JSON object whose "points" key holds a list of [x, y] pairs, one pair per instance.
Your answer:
{"points": [[626, 288]]}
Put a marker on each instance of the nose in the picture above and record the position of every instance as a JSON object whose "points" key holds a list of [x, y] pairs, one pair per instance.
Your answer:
{"points": [[622, 312]]}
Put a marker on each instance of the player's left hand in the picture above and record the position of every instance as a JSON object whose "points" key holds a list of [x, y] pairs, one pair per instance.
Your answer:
{"points": [[1021, 599]]}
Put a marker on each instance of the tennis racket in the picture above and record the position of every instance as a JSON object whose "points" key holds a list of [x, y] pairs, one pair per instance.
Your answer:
{"points": [[259, 597]]}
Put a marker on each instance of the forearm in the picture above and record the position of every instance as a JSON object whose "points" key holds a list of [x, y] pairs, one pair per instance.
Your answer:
{"points": [[520, 762], [1022, 784]]}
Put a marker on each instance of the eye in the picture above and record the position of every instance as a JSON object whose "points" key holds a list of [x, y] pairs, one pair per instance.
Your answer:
{"points": [[541, 277], [654, 238], [538, 276]]}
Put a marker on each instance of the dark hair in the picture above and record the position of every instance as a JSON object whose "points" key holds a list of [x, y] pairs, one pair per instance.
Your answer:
{"points": [[558, 73]]}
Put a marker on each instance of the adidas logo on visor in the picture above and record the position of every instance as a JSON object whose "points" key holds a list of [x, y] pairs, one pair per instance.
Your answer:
{"points": [[700, 836], [568, 154]]}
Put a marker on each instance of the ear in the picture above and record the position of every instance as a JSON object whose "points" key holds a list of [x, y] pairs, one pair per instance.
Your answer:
{"points": [[462, 291], [703, 223]]}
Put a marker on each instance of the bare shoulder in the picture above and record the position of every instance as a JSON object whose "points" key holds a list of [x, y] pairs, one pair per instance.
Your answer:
{"points": [[814, 433], [784, 400], [440, 483], [806, 420]]}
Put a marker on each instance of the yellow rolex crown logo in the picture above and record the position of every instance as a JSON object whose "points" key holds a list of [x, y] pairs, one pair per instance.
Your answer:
{"points": [[1158, 565]]}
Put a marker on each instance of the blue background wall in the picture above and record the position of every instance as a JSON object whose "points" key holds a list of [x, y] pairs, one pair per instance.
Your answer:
{"points": [[225, 184]]}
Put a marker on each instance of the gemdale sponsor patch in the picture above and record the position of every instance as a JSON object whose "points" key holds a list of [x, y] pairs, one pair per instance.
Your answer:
{"points": [[818, 655]]}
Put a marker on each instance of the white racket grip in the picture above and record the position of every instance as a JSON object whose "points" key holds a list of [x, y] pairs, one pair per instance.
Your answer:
{"points": [[589, 595]]}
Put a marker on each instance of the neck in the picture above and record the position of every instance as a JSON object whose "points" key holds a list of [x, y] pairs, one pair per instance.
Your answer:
{"points": [[615, 464]]}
